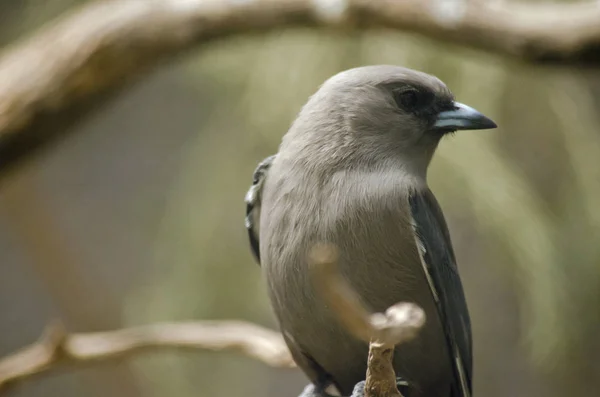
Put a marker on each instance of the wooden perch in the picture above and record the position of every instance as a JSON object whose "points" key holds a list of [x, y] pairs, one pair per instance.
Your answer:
{"points": [[383, 332], [58, 348], [400, 323], [71, 67]]}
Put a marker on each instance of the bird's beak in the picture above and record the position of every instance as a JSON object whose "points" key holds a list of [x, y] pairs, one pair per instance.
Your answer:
{"points": [[462, 117]]}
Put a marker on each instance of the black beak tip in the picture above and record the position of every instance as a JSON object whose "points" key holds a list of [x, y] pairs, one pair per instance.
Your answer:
{"points": [[488, 124]]}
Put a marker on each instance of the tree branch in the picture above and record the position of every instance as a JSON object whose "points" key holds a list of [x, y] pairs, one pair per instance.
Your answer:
{"points": [[67, 69], [400, 323], [57, 348]]}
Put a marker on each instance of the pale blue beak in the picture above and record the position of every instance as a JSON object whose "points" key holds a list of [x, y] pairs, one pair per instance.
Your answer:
{"points": [[462, 117]]}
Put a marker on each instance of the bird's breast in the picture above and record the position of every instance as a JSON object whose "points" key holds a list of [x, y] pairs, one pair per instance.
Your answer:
{"points": [[367, 217]]}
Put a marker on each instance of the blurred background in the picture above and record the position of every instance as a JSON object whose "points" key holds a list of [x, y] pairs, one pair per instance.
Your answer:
{"points": [[138, 217]]}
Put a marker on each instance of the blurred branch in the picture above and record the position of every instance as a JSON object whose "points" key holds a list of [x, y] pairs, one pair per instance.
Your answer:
{"points": [[58, 348], [71, 67], [400, 323]]}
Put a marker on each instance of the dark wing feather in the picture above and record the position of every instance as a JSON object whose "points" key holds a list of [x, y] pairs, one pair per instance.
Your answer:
{"points": [[439, 263], [253, 202]]}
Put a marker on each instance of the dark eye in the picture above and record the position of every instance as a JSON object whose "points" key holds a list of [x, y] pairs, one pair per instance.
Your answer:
{"points": [[409, 100]]}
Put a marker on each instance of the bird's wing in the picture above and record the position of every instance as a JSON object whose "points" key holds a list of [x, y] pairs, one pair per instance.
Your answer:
{"points": [[253, 198], [253, 203], [439, 264]]}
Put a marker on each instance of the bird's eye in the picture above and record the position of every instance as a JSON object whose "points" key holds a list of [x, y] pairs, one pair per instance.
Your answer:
{"points": [[409, 100]]}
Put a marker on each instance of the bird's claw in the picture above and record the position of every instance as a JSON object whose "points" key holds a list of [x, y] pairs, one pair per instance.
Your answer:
{"points": [[313, 391]]}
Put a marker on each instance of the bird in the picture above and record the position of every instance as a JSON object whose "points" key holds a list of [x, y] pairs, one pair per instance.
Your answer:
{"points": [[352, 171]]}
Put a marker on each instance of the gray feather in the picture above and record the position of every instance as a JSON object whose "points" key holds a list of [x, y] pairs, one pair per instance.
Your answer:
{"points": [[367, 215]]}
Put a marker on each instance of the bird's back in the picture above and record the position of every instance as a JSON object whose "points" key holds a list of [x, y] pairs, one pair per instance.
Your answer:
{"points": [[367, 215]]}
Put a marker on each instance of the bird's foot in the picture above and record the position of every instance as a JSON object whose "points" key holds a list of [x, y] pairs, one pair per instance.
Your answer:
{"points": [[359, 390], [314, 391]]}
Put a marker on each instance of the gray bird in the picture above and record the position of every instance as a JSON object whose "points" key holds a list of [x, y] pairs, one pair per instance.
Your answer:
{"points": [[352, 171]]}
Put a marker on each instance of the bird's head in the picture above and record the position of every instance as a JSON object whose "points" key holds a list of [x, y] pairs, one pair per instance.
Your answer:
{"points": [[375, 113]]}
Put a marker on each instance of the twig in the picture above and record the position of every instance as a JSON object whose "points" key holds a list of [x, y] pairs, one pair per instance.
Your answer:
{"points": [[56, 347], [400, 323], [71, 67]]}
